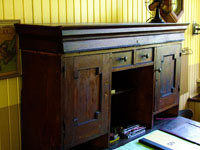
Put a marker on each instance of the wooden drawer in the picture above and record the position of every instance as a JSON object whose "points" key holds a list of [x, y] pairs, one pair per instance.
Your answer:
{"points": [[121, 59], [143, 55]]}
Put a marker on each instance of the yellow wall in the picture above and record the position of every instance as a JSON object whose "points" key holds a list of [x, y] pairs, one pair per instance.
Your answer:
{"points": [[191, 15], [10, 114], [80, 11]]}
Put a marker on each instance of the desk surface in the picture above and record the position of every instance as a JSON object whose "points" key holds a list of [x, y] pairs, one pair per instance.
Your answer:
{"points": [[185, 128], [162, 138], [183, 132]]}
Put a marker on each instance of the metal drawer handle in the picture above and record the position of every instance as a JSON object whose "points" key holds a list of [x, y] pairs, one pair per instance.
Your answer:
{"points": [[145, 56], [125, 58]]}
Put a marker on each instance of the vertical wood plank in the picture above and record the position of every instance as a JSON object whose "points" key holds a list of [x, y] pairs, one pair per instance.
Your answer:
{"points": [[9, 118], [144, 11], [14, 127], [8, 9], [62, 11], [70, 11], [19, 89], [96, 11], [3, 94], [4, 128], [108, 11], [1, 10], [148, 13], [19, 10], [129, 11], [125, 16], [84, 17], [140, 11], [37, 14], [135, 11], [103, 11], [198, 16], [77, 11], [114, 11], [45, 11], [183, 101], [189, 45], [90, 12], [28, 15], [4, 118], [54, 11], [119, 11], [12, 90]]}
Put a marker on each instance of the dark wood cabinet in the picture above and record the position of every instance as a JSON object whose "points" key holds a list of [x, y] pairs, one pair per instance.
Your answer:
{"points": [[167, 76], [80, 81]]}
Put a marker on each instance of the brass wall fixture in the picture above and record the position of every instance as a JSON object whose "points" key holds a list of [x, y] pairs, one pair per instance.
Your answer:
{"points": [[196, 29], [186, 51]]}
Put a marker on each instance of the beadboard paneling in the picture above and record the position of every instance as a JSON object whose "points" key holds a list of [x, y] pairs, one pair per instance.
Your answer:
{"points": [[192, 42], [10, 90]]}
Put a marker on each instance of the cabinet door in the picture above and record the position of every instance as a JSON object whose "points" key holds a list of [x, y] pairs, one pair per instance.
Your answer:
{"points": [[167, 76], [86, 98]]}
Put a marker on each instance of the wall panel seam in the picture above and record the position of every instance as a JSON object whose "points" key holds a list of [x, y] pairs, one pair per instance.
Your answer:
{"points": [[9, 116]]}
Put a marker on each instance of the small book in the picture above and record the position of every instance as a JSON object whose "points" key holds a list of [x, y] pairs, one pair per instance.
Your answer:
{"points": [[153, 144]]}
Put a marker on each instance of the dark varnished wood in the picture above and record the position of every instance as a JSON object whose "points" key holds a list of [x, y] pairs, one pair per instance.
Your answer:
{"points": [[122, 59], [87, 84], [144, 55], [130, 106], [69, 71], [115, 42], [167, 76], [78, 38], [41, 110]]}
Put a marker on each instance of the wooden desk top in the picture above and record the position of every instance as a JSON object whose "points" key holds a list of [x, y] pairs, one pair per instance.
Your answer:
{"points": [[68, 38]]}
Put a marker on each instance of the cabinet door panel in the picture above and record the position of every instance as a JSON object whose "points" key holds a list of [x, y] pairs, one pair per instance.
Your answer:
{"points": [[87, 96], [86, 99], [167, 76]]}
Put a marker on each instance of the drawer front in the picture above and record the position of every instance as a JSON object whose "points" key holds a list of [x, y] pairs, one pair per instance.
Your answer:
{"points": [[143, 55], [121, 59]]}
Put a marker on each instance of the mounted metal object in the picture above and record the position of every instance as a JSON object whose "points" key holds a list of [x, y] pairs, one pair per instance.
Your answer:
{"points": [[196, 29]]}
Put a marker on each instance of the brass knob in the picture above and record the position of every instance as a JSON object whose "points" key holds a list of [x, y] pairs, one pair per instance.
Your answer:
{"points": [[159, 69], [125, 58], [75, 120], [97, 115]]}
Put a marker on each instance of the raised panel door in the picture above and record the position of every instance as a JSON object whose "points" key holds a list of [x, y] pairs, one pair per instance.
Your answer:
{"points": [[167, 76], [86, 100]]}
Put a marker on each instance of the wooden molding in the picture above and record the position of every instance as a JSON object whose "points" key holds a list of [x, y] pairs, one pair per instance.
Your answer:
{"points": [[170, 15]]}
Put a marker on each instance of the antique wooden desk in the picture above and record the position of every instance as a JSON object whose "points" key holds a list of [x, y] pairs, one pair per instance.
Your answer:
{"points": [[69, 72]]}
